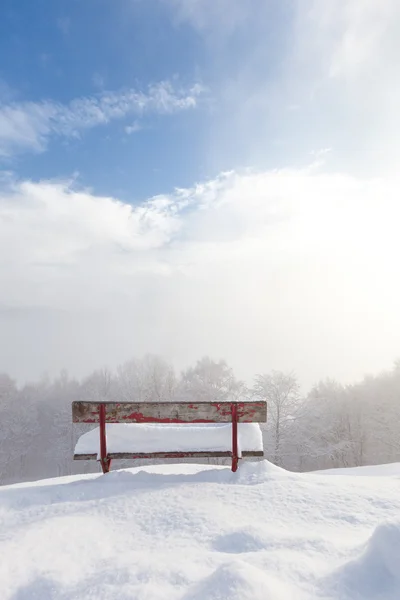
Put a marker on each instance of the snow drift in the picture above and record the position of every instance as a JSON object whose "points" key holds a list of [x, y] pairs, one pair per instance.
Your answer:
{"points": [[192, 532], [376, 574]]}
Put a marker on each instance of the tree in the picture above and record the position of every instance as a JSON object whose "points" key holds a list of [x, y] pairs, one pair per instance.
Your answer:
{"points": [[9, 426], [98, 386], [281, 391], [212, 381], [333, 426], [330, 426], [150, 379]]}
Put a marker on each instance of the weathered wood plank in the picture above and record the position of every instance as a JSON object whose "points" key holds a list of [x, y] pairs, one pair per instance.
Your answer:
{"points": [[85, 456], [170, 412], [137, 455]]}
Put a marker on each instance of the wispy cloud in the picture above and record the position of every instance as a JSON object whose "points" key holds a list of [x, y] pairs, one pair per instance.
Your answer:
{"points": [[215, 16], [30, 125], [277, 269], [133, 128], [99, 81], [64, 25], [346, 39], [336, 62]]}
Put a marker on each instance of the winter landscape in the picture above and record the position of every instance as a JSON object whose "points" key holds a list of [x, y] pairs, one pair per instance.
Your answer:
{"points": [[199, 271], [198, 531], [202, 532]]}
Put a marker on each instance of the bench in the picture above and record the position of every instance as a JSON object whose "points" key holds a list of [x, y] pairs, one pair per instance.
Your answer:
{"points": [[171, 413]]}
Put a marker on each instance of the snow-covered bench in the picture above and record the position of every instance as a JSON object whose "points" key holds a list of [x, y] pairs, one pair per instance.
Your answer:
{"points": [[169, 430]]}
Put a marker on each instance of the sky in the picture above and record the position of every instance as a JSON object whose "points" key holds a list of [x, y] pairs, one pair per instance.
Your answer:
{"points": [[200, 177]]}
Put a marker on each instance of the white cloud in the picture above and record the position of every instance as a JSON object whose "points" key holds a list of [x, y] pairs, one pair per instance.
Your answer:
{"points": [[346, 42], [133, 128], [352, 33], [334, 60], [348, 33], [346, 58], [280, 269], [29, 125]]}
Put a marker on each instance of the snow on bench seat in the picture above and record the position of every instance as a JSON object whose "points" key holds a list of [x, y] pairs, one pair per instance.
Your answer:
{"points": [[132, 438]]}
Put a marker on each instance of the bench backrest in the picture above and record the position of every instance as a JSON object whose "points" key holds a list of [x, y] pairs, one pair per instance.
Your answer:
{"points": [[169, 412]]}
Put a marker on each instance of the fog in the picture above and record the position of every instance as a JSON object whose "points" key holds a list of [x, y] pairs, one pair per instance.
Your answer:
{"points": [[292, 269], [328, 426]]}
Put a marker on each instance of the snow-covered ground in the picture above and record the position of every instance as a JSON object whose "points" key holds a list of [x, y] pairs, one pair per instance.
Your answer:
{"points": [[192, 532]]}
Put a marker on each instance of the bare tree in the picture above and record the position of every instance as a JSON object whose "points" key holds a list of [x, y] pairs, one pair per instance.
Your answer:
{"points": [[213, 381], [281, 391], [333, 426], [150, 379], [98, 386]]}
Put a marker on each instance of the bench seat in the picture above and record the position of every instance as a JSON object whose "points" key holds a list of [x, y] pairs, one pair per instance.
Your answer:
{"points": [[153, 440]]}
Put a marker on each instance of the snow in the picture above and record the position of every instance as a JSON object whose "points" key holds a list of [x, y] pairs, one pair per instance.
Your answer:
{"points": [[195, 532], [368, 471], [377, 570], [154, 437]]}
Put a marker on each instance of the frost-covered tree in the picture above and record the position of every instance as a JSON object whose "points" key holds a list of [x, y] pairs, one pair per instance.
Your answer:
{"points": [[333, 426], [282, 393], [329, 435], [98, 386], [9, 425], [213, 381], [150, 379]]}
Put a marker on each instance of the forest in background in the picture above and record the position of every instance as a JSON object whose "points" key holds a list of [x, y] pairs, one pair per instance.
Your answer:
{"points": [[331, 426]]}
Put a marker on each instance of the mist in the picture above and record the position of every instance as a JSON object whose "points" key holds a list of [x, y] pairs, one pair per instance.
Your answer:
{"points": [[327, 426], [284, 269]]}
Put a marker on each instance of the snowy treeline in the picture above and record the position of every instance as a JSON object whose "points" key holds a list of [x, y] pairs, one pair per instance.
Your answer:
{"points": [[331, 426]]}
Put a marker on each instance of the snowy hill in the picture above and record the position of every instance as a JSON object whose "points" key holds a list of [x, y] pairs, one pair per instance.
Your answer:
{"points": [[191, 532]]}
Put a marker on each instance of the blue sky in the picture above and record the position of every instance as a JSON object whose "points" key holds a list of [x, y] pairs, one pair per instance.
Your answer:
{"points": [[191, 177], [60, 51], [268, 96]]}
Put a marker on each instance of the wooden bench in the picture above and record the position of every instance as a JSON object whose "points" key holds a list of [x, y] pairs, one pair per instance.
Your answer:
{"points": [[168, 412]]}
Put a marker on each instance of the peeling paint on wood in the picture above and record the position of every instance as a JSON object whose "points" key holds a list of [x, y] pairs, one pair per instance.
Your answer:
{"points": [[170, 412]]}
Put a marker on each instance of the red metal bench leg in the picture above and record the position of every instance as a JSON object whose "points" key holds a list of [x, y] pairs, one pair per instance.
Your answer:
{"points": [[234, 438], [104, 460]]}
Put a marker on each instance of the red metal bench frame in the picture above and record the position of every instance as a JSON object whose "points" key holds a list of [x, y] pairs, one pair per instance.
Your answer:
{"points": [[167, 412]]}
